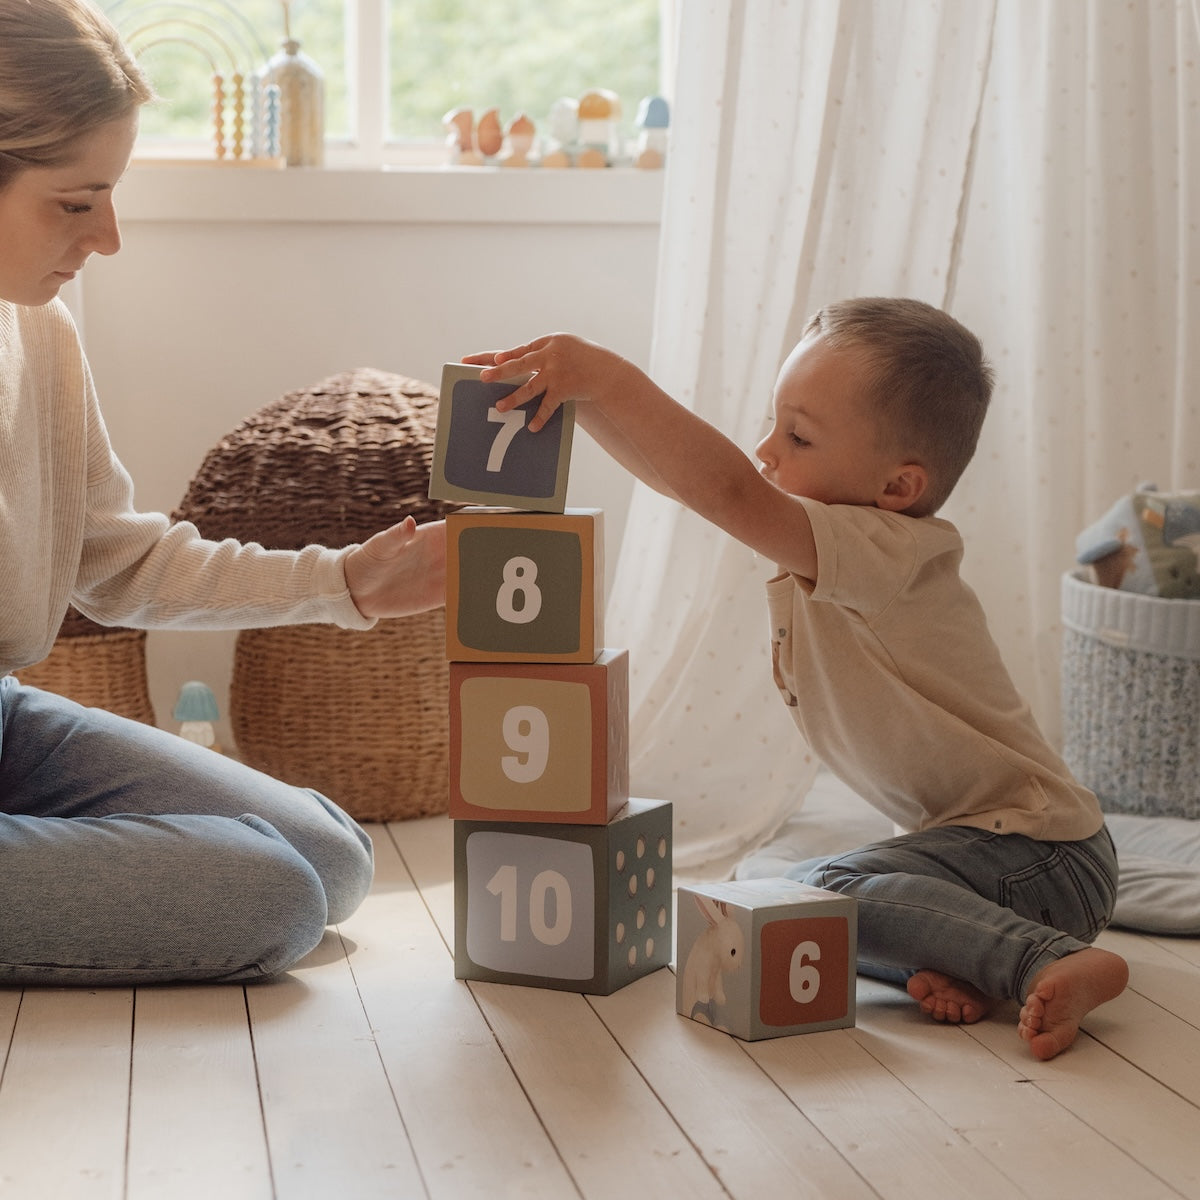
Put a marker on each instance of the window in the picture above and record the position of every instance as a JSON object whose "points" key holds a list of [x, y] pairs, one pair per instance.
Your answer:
{"points": [[392, 68]]}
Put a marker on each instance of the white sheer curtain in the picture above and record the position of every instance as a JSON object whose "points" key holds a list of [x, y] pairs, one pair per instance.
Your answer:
{"points": [[1030, 166]]}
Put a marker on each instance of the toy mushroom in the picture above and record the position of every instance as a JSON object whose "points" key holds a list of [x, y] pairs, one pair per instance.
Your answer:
{"points": [[196, 710], [598, 113], [489, 137], [520, 142], [563, 126], [460, 143], [653, 118]]}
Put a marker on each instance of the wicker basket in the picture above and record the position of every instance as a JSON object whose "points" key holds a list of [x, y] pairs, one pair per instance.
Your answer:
{"points": [[97, 666], [362, 717]]}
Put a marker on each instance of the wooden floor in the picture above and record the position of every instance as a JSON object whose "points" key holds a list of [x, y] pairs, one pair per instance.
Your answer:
{"points": [[370, 1072]]}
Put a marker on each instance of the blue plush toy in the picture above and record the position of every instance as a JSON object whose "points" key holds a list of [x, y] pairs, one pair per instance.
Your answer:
{"points": [[1148, 542]]}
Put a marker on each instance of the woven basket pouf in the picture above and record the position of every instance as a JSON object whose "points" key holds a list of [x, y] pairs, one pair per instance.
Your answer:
{"points": [[360, 716], [97, 666]]}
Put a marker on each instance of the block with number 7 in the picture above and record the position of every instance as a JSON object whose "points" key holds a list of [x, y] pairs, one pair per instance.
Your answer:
{"points": [[760, 958], [484, 456]]}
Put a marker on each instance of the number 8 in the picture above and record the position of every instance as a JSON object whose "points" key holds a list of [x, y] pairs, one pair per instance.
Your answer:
{"points": [[520, 575]]}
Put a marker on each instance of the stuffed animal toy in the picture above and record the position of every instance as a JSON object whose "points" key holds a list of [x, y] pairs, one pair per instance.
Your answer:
{"points": [[1148, 542]]}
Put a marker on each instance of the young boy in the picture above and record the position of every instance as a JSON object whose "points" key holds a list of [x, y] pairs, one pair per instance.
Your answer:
{"points": [[882, 652]]}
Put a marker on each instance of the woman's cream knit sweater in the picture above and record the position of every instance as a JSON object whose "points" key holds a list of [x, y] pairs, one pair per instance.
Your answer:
{"points": [[69, 532]]}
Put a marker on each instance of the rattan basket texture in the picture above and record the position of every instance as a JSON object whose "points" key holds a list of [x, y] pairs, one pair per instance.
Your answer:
{"points": [[97, 666], [361, 717]]}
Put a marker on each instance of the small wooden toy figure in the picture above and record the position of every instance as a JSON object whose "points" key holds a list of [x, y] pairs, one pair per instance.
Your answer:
{"points": [[563, 126], [460, 141], [599, 137], [653, 118], [519, 136], [196, 710], [489, 136]]}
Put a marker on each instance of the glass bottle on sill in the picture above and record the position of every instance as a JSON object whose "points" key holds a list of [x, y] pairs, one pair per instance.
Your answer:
{"points": [[301, 105]]}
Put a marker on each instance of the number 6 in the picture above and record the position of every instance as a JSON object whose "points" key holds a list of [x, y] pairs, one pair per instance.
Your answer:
{"points": [[804, 980]]}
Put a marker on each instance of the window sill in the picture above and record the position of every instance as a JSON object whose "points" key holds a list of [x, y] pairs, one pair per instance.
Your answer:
{"points": [[177, 191]]}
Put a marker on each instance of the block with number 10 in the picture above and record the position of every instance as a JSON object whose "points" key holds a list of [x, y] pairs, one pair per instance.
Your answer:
{"points": [[584, 908]]}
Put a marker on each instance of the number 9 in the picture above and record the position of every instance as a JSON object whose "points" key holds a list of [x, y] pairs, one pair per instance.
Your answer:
{"points": [[527, 732]]}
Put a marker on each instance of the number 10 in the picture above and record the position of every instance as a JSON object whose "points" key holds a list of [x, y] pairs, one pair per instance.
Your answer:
{"points": [[549, 933]]}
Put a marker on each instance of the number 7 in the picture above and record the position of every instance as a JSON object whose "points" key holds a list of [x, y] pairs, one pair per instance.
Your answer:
{"points": [[511, 423]]}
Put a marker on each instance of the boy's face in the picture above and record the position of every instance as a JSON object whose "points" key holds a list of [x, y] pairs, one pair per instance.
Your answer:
{"points": [[825, 443]]}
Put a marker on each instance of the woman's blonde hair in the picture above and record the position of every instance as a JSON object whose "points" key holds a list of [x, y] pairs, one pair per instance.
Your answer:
{"points": [[63, 72]]}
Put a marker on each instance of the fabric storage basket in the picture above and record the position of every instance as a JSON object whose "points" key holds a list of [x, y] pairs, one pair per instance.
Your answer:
{"points": [[360, 716], [1131, 698], [98, 666]]}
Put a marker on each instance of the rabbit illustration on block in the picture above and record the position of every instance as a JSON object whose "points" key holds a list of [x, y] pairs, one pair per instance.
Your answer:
{"points": [[719, 950]]}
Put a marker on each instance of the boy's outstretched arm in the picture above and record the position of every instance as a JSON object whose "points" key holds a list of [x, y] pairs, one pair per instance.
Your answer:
{"points": [[590, 417], [664, 444]]}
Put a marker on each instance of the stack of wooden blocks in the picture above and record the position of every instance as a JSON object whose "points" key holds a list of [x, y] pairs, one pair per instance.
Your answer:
{"points": [[562, 880]]}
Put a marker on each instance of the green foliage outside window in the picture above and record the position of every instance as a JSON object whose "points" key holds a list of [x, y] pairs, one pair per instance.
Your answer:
{"points": [[516, 55]]}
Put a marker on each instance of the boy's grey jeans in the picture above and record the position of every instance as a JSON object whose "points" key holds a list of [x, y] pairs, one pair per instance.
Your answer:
{"points": [[991, 909], [130, 856]]}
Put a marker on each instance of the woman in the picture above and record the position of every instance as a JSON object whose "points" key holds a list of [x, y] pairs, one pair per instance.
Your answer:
{"points": [[129, 855]]}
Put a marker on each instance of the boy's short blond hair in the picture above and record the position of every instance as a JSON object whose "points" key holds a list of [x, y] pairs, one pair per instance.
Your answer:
{"points": [[926, 377]]}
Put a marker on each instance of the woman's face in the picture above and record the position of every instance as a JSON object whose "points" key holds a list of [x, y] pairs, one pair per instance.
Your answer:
{"points": [[53, 218]]}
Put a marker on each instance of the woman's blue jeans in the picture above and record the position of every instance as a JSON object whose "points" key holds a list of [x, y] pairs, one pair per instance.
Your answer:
{"points": [[131, 856], [990, 909]]}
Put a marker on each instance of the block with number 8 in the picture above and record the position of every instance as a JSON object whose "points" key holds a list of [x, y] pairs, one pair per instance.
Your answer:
{"points": [[484, 456], [524, 587], [540, 741], [760, 958]]}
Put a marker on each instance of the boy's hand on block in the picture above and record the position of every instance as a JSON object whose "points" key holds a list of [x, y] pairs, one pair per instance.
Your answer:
{"points": [[564, 367]]}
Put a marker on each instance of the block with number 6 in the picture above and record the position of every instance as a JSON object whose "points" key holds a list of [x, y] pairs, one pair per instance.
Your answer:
{"points": [[524, 587], [484, 456], [540, 741], [760, 958], [583, 908]]}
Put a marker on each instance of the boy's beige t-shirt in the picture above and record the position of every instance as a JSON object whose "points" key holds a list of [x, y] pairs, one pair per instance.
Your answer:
{"points": [[890, 673]]}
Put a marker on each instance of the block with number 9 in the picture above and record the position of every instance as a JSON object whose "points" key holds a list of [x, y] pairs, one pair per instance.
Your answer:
{"points": [[484, 456], [584, 908], [760, 958], [524, 587], [540, 741]]}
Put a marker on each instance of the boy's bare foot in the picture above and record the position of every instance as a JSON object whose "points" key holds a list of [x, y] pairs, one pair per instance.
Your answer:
{"points": [[946, 999], [1064, 992]]}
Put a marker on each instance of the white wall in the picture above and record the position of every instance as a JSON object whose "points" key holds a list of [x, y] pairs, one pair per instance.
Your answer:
{"points": [[238, 284]]}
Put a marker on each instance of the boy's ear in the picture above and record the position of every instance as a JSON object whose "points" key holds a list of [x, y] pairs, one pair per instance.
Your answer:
{"points": [[904, 488]]}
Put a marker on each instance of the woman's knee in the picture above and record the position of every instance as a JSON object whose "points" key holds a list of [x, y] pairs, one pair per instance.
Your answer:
{"points": [[344, 858]]}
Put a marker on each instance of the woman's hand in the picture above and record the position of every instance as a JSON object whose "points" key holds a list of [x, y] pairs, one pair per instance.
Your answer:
{"points": [[400, 571]]}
